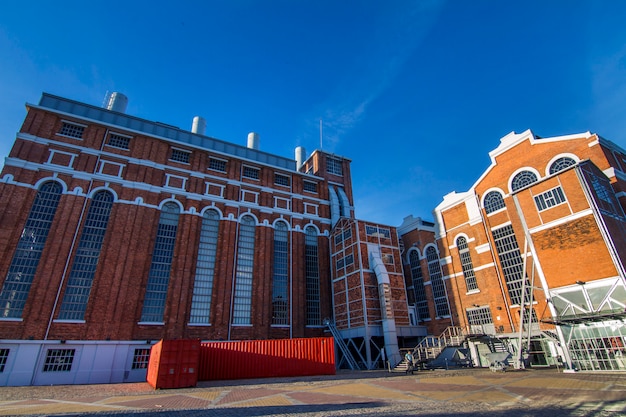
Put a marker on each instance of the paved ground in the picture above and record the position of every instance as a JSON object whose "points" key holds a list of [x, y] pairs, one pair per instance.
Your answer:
{"points": [[471, 392]]}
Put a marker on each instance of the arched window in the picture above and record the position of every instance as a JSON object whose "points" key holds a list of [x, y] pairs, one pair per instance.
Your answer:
{"points": [[436, 280], [561, 163], [522, 179], [162, 255], [28, 252], [242, 303], [466, 263], [86, 261], [280, 284], [493, 201], [205, 268], [418, 285], [313, 308]]}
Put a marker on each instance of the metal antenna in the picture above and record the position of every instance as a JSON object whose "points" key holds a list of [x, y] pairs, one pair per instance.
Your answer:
{"points": [[321, 147]]}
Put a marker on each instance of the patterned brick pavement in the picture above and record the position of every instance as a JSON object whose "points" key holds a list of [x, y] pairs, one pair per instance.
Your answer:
{"points": [[475, 392]]}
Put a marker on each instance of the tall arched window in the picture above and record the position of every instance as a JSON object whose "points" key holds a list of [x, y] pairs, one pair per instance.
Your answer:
{"points": [[313, 307], [280, 282], [466, 263], [28, 252], [205, 269], [418, 285], [242, 303], [83, 270], [436, 280], [493, 201], [162, 255], [561, 163], [523, 179]]}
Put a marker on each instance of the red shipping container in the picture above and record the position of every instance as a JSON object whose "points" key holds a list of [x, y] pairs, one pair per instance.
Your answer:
{"points": [[267, 358], [174, 364]]}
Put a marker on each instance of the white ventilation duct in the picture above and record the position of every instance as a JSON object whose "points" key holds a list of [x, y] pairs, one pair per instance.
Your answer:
{"points": [[117, 102], [300, 157], [253, 140], [335, 214], [198, 126], [344, 203], [388, 322]]}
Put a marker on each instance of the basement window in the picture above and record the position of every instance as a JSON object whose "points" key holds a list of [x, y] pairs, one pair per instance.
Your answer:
{"points": [[4, 355], [59, 360], [141, 357]]}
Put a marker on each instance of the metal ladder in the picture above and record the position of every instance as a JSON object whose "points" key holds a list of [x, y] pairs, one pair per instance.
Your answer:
{"points": [[352, 363]]}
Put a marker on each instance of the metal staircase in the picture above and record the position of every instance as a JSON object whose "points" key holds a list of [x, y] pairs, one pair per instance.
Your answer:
{"points": [[347, 356], [431, 346]]}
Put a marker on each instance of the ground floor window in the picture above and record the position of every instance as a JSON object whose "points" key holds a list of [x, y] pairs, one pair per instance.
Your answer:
{"points": [[59, 360]]}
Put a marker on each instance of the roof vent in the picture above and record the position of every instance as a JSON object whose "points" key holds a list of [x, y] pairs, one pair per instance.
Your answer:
{"points": [[117, 102]]}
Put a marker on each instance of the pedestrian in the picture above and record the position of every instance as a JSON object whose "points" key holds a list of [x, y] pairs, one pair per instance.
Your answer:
{"points": [[409, 362]]}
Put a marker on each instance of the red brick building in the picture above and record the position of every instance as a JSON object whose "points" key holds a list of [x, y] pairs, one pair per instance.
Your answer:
{"points": [[541, 231], [115, 228]]}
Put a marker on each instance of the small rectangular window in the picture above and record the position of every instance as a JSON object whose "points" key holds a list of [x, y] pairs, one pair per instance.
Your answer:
{"points": [[72, 130], [141, 357], [280, 179], [349, 260], [178, 155], [251, 172], [59, 360], [4, 355], [310, 186], [334, 166], [118, 141], [217, 164], [550, 199]]}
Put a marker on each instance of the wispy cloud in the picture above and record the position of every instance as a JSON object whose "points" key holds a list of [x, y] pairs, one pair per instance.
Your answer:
{"points": [[398, 32]]}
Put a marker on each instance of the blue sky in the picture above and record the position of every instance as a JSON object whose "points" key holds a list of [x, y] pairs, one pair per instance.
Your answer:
{"points": [[416, 93]]}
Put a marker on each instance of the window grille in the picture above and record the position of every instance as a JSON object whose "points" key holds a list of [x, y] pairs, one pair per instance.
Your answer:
{"points": [[205, 269], [28, 252], [523, 179], [250, 172], [418, 285], [436, 280], [560, 164], [550, 199], [83, 270], [512, 263], [334, 166], [309, 186], [281, 180], [479, 316], [72, 130], [217, 164], [4, 355], [280, 285], [179, 155], [242, 305], [466, 263], [59, 360], [313, 308], [141, 358], [493, 201], [118, 141], [159, 274]]}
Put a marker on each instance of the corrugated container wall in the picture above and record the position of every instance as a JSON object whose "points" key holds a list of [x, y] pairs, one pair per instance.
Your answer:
{"points": [[267, 358], [174, 364]]}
